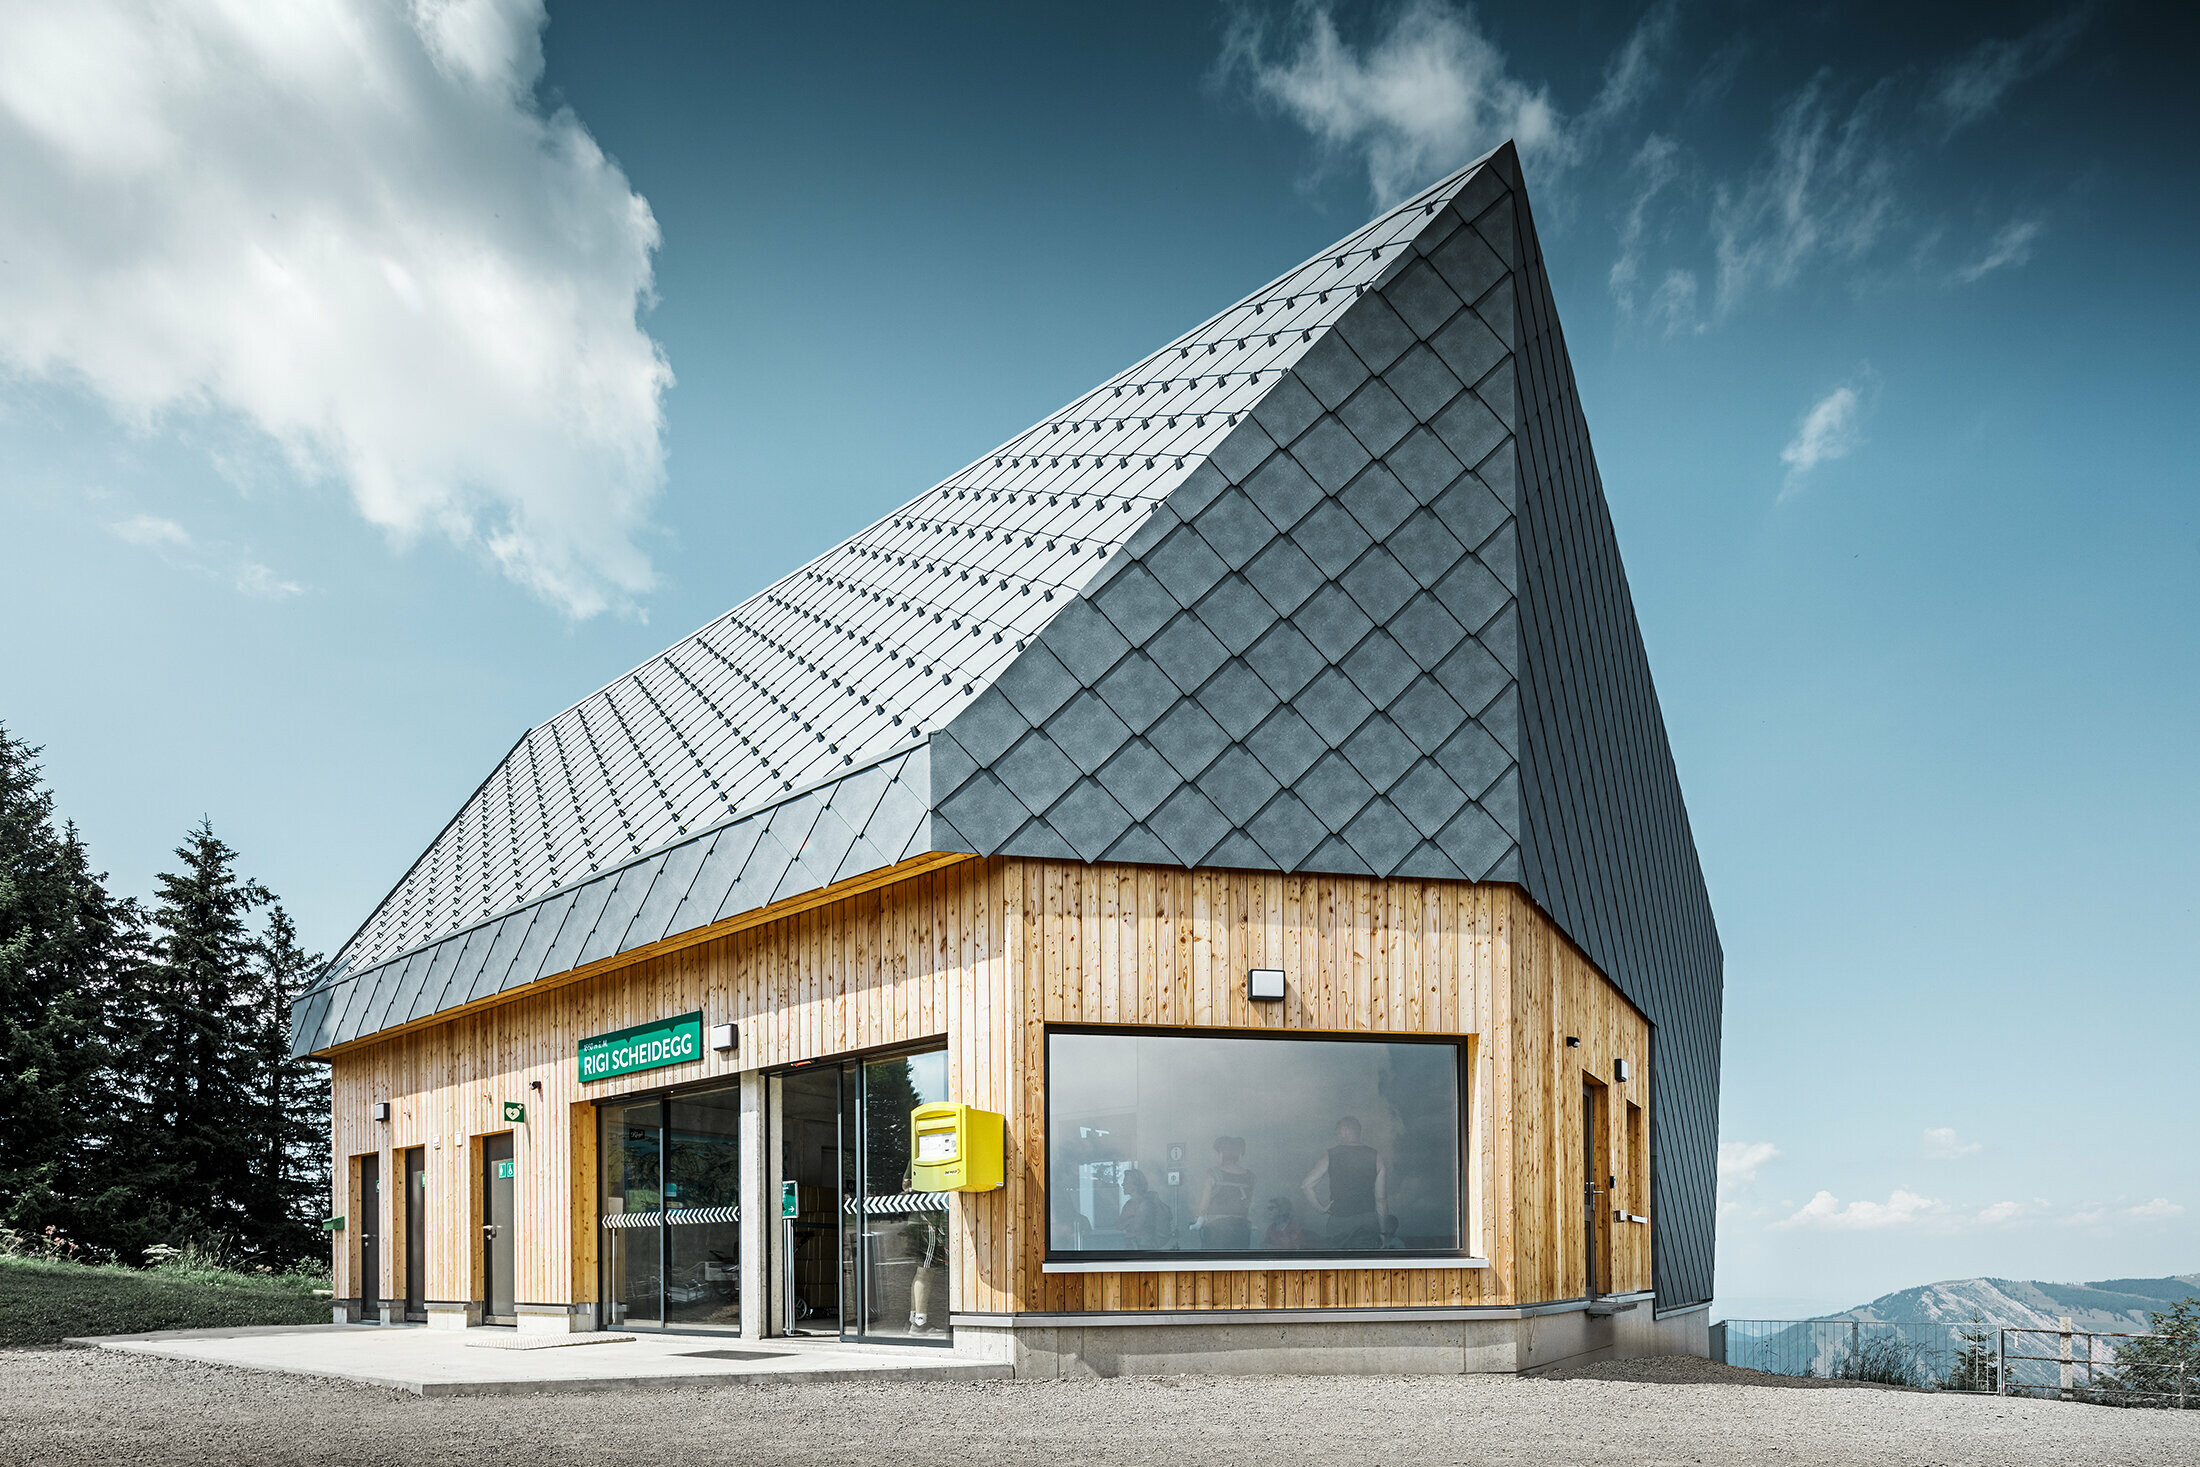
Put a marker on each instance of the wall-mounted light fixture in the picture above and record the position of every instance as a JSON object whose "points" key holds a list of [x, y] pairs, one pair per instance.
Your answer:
{"points": [[724, 1037], [1264, 985], [1619, 1070], [381, 1110], [1573, 1041], [534, 1084]]}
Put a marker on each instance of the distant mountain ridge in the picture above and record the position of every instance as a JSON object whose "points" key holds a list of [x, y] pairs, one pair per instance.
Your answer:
{"points": [[2107, 1305]]}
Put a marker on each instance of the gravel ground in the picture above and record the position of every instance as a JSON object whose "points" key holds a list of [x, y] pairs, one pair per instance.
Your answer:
{"points": [[69, 1407]]}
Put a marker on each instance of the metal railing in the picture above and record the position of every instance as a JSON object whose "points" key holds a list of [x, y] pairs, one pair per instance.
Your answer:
{"points": [[2101, 1366], [1921, 1354]]}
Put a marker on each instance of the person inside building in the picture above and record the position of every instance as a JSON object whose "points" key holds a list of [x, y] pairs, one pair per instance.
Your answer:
{"points": [[1226, 1202], [1145, 1217], [1357, 1189], [1283, 1231]]}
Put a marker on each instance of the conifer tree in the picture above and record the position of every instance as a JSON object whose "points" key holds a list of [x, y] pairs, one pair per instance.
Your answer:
{"points": [[194, 1145], [147, 1093], [289, 1185], [65, 948]]}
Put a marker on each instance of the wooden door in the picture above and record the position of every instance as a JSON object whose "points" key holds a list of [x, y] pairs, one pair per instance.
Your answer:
{"points": [[1596, 1191]]}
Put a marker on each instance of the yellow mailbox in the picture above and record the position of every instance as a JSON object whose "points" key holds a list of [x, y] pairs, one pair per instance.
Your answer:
{"points": [[957, 1148]]}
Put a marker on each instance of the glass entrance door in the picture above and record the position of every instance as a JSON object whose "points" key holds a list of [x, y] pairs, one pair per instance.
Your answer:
{"points": [[861, 1253], [812, 1178], [703, 1210], [671, 1210]]}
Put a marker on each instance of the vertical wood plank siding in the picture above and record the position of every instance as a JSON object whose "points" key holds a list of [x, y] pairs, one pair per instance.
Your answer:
{"points": [[983, 955]]}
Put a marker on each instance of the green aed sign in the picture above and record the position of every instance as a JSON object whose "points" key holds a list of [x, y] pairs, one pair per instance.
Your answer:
{"points": [[643, 1047]]}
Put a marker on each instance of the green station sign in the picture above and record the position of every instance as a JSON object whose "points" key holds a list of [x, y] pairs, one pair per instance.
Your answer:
{"points": [[643, 1047]]}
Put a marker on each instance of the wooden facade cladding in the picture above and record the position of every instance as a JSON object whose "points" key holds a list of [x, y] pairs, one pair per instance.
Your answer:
{"points": [[983, 955]]}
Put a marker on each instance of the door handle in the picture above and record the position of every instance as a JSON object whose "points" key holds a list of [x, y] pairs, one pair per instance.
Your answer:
{"points": [[490, 1229]]}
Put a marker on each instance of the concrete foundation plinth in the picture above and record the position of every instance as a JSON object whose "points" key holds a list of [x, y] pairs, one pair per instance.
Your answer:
{"points": [[551, 1319], [1353, 1342]]}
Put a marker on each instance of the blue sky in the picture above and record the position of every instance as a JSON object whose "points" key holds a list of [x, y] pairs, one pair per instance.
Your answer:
{"points": [[1882, 318]]}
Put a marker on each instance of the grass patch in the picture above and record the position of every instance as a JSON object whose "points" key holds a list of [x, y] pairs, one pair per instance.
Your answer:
{"points": [[43, 1303]]}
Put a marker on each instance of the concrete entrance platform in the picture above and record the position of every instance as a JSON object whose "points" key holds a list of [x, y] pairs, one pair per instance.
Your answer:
{"points": [[433, 1362]]}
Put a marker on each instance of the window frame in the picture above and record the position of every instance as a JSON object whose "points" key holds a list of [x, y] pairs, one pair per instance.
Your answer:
{"points": [[1242, 1259]]}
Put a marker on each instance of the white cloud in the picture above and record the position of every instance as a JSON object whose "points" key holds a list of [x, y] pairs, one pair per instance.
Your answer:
{"points": [[1830, 430], [2001, 1212], [1739, 1161], [1825, 192], [1430, 92], [350, 225], [1943, 1144], [1656, 166], [214, 559], [1971, 88], [2160, 1209], [2011, 247], [1824, 1210], [255, 579], [152, 530], [1673, 304]]}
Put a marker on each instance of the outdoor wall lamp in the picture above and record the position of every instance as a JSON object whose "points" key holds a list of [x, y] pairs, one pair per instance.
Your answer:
{"points": [[1264, 985], [381, 1110], [1619, 1069], [724, 1037], [1573, 1041]]}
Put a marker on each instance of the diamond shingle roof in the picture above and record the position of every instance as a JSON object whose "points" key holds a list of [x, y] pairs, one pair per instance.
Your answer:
{"points": [[879, 640]]}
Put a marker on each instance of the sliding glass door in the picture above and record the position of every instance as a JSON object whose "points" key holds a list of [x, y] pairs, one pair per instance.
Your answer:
{"points": [[860, 1252], [671, 1213]]}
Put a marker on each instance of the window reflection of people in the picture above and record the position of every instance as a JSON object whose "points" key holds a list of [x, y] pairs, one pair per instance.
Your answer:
{"points": [[1226, 1202], [1145, 1217], [1357, 1189], [1283, 1230]]}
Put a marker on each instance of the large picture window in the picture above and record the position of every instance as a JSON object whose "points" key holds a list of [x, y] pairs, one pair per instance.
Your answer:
{"points": [[1212, 1144]]}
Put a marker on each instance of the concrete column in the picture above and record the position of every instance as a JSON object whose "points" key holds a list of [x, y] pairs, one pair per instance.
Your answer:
{"points": [[758, 1207]]}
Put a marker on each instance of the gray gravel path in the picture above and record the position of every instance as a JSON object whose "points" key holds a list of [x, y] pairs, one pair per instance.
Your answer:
{"points": [[62, 1408]]}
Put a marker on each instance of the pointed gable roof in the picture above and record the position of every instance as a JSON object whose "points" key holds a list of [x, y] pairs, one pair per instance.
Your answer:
{"points": [[856, 656]]}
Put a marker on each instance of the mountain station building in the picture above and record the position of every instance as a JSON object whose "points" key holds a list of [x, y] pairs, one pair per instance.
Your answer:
{"points": [[1203, 888]]}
